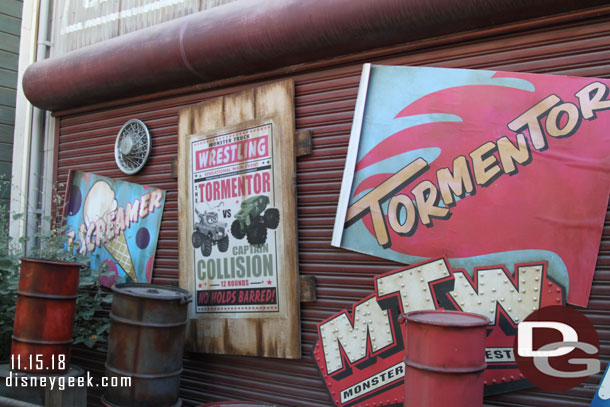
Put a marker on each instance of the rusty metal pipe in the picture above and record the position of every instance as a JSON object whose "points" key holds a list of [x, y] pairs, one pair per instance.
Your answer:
{"points": [[251, 36]]}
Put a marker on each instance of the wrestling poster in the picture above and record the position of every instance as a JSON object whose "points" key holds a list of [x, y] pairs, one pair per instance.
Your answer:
{"points": [[234, 242]]}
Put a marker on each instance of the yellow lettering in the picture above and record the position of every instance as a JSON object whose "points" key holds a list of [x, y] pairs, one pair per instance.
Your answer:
{"points": [[531, 120], [371, 202], [484, 164], [590, 99], [458, 183], [407, 227], [554, 119], [426, 198], [510, 153]]}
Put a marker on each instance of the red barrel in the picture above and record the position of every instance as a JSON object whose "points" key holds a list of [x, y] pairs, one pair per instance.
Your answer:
{"points": [[236, 404], [44, 317], [444, 358]]}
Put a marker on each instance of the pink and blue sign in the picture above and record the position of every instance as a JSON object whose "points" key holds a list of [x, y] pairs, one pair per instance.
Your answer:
{"points": [[116, 224], [481, 167]]}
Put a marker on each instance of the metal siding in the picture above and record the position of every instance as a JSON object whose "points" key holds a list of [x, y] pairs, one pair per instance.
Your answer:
{"points": [[325, 99]]}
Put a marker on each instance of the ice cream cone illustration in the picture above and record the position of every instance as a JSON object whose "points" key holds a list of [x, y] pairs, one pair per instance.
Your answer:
{"points": [[100, 200], [119, 251]]}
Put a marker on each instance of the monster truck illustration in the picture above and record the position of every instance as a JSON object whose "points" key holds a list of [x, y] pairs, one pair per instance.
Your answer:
{"points": [[251, 222], [208, 232]]}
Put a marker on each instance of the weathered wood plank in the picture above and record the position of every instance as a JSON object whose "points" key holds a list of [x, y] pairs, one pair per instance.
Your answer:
{"points": [[10, 25], [5, 194], [82, 23], [138, 14], [12, 8], [8, 96], [304, 145], [8, 77], [85, 23], [269, 334], [9, 42], [6, 152], [7, 115], [5, 170], [9, 59], [308, 289], [206, 4], [6, 133]]}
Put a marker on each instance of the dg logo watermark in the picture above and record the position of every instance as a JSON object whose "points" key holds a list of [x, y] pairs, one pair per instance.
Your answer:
{"points": [[557, 348]]}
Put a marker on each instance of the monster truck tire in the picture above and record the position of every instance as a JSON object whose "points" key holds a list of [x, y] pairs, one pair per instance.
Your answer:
{"points": [[197, 239], [257, 234], [271, 218], [223, 244], [206, 246], [236, 230]]}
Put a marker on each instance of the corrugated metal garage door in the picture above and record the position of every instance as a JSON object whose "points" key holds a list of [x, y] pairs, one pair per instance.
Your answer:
{"points": [[325, 99]]}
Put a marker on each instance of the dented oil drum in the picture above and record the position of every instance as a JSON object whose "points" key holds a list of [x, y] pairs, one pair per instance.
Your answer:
{"points": [[146, 343], [44, 316], [444, 358], [236, 404]]}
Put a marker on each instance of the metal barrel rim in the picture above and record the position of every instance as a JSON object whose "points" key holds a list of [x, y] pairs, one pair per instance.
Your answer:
{"points": [[46, 296], [180, 294], [54, 262], [446, 370], [145, 376], [477, 319], [41, 342], [109, 404], [127, 321]]}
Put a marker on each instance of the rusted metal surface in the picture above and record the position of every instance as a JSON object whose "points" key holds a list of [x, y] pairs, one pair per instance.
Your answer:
{"points": [[325, 96], [8, 402], [303, 145], [44, 317], [146, 343], [236, 404], [247, 37], [444, 358]]}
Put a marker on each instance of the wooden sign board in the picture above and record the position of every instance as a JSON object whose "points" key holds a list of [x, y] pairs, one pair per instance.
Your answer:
{"points": [[237, 223]]}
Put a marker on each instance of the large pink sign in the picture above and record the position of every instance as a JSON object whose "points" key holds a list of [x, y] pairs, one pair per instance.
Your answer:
{"points": [[481, 167]]}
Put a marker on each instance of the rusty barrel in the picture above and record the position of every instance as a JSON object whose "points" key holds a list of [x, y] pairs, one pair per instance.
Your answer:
{"points": [[146, 343], [444, 358], [236, 404], [44, 316]]}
